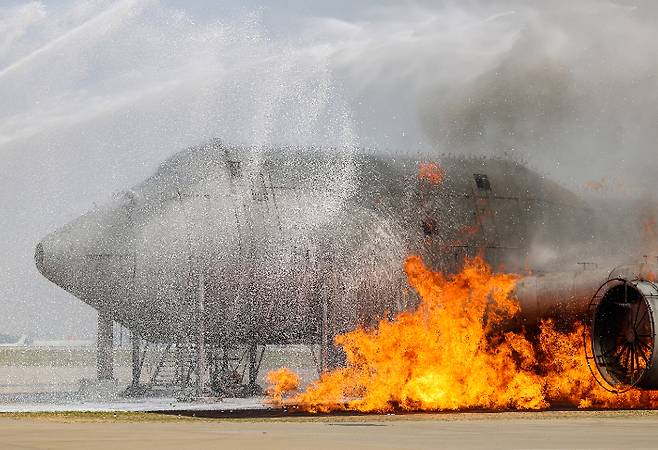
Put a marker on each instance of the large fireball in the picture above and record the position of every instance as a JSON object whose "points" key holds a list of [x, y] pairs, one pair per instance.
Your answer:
{"points": [[448, 354]]}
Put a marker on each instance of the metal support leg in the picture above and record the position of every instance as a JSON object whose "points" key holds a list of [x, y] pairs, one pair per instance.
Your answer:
{"points": [[253, 363], [324, 334], [202, 381], [104, 344], [136, 358]]}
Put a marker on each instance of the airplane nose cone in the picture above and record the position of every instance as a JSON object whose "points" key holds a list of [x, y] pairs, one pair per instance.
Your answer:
{"points": [[74, 255], [53, 261], [39, 259]]}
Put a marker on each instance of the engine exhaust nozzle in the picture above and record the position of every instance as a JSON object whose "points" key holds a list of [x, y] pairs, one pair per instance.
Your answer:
{"points": [[623, 333]]}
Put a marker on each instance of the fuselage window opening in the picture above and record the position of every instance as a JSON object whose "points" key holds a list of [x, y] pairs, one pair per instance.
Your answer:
{"points": [[234, 169], [259, 188], [482, 181], [429, 227]]}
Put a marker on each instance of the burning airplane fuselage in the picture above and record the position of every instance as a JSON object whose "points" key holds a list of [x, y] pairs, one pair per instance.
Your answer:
{"points": [[291, 245]]}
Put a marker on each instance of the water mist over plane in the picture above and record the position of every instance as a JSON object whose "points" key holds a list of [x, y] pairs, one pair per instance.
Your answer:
{"points": [[96, 96]]}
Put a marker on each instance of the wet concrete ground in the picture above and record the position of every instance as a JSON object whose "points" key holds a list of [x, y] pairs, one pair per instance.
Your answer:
{"points": [[54, 403], [544, 430], [39, 395], [62, 379]]}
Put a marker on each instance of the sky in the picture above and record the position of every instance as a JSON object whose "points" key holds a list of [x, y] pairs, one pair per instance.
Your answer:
{"points": [[95, 94]]}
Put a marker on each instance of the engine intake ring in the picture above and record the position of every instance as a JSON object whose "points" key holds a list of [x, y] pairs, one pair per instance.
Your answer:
{"points": [[623, 334]]}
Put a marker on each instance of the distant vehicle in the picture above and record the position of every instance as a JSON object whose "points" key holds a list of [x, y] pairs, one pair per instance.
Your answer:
{"points": [[7, 340]]}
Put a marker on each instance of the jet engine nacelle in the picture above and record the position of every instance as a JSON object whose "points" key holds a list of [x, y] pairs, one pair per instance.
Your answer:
{"points": [[618, 307], [623, 337]]}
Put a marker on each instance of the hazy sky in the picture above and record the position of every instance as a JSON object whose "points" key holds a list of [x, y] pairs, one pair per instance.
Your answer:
{"points": [[95, 94]]}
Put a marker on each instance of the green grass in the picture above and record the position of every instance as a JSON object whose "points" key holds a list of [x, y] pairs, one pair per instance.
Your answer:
{"points": [[55, 357], [76, 357], [96, 416]]}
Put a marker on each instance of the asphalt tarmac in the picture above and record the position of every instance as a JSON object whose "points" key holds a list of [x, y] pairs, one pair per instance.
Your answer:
{"points": [[542, 430]]}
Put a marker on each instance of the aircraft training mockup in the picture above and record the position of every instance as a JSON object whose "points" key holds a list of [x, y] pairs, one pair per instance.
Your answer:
{"points": [[229, 246]]}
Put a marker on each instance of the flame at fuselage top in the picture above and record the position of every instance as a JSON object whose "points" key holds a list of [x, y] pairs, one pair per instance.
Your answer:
{"points": [[432, 172], [448, 355]]}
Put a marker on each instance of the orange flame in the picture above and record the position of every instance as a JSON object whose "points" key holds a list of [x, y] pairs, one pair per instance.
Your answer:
{"points": [[281, 382], [431, 172], [447, 355], [650, 232], [598, 185], [470, 230]]}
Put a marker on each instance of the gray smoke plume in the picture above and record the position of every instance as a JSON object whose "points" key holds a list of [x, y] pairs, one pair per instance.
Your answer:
{"points": [[576, 93]]}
